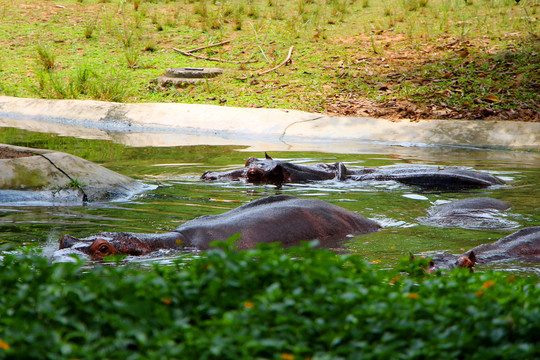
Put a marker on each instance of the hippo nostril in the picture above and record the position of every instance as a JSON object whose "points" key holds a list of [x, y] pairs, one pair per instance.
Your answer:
{"points": [[208, 175]]}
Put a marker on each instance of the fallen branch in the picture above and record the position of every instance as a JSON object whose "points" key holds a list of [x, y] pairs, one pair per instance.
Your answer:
{"points": [[447, 45], [287, 60], [186, 53], [208, 46]]}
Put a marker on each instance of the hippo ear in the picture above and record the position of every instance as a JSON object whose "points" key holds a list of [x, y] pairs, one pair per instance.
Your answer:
{"points": [[280, 175], [431, 267], [267, 156], [472, 257]]}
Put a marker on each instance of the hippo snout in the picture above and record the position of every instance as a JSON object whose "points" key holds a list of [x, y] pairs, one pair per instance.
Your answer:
{"points": [[67, 241], [209, 175], [95, 247]]}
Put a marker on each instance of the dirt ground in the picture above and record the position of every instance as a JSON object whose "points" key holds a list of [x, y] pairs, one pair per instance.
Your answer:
{"points": [[397, 110], [444, 75]]}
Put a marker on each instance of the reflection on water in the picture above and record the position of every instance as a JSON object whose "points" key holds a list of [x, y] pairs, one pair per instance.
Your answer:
{"points": [[180, 196]]}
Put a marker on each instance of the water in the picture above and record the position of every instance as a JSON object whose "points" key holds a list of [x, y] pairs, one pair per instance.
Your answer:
{"points": [[180, 196]]}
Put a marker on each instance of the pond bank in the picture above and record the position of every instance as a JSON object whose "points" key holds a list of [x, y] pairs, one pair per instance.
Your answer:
{"points": [[174, 124]]}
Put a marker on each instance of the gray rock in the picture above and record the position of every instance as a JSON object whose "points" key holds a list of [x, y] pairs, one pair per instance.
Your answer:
{"points": [[193, 72], [45, 176], [180, 77], [177, 82]]}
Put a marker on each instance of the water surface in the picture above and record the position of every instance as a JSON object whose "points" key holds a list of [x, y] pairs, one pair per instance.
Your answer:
{"points": [[180, 196]]}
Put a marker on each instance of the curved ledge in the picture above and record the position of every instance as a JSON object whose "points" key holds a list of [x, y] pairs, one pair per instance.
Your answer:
{"points": [[169, 124]]}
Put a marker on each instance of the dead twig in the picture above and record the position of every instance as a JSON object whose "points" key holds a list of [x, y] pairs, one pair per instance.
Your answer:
{"points": [[440, 47], [213, 59], [208, 46], [287, 60]]}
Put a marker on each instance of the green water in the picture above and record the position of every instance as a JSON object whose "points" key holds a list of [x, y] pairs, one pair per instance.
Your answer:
{"points": [[181, 196]]}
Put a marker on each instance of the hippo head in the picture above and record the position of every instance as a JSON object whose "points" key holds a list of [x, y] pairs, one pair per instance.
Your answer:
{"points": [[264, 171], [448, 261], [104, 244]]}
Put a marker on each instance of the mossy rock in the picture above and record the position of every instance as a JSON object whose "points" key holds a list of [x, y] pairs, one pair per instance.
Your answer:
{"points": [[28, 174]]}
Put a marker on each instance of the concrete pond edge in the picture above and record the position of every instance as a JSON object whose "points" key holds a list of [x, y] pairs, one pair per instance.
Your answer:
{"points": [[213, 124]]}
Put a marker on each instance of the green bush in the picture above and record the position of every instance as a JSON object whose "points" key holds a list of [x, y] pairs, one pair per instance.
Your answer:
{"points": [[265, 303]]}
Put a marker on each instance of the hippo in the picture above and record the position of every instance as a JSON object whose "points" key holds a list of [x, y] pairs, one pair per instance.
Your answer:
{"points": [[470, 213], [270, 171], [523, 245], [279, 218]]}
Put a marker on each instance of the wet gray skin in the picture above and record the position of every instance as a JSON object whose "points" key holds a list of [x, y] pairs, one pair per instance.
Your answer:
{"points": [[479, 213], [284, 219], [270, 171], [522, 245]]}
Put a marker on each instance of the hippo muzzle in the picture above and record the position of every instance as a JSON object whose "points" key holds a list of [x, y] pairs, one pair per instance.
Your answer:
{"points": [[449, 262], [101, 245], [97, 248]]}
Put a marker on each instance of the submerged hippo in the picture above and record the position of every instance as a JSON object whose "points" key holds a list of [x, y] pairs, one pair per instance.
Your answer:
{"points": [[523, 245], [471, 213], [270, 171], [280, 218]]}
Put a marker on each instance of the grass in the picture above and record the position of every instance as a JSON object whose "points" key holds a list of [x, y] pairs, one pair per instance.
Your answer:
{"points": [[398, 59], [263, 304]]}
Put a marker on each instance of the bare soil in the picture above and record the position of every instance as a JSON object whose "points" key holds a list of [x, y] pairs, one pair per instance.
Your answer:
{"points": [[439, 77]]}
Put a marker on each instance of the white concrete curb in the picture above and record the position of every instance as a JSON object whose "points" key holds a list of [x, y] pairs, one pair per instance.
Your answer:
{"points": [[165, 124]]}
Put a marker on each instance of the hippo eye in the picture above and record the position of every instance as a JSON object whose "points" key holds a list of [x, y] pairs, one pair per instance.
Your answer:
{"points": [[104, 249]]}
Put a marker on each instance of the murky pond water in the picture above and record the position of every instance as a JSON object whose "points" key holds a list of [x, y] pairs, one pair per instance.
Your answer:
{"points": [[180, 196]]}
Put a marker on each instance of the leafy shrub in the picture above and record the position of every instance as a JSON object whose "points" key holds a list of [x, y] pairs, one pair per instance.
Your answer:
{"points": [[264, 303]]}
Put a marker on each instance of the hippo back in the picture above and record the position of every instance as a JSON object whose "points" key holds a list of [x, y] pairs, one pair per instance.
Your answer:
{"points": [[432, 177], [476, 203], [284, 219], [523, 244], [470, 213]]}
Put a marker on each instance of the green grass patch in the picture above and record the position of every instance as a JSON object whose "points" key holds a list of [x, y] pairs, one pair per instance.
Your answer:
{"points": [[263, 304], [350, 57]]}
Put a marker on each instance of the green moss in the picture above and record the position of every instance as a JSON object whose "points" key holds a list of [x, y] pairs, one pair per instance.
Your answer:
{"points": [[25, 178]]}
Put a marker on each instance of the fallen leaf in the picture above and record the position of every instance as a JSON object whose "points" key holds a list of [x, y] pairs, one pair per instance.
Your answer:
{"points": [[491, 99], [463, 53], [225, 200]]}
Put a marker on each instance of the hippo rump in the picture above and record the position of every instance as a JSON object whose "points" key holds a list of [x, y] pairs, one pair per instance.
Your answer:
{"points": [[522, 245], [470, 213], [270, 171], [284, 219]]}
